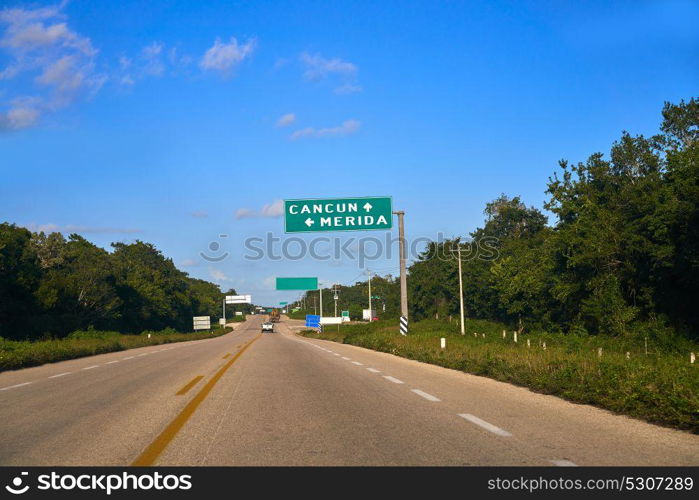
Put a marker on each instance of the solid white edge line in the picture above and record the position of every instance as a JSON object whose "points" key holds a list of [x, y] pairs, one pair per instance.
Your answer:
{"points": [[393, 379], [486, 425], [60, 375], [14, 386], [426, 395]]}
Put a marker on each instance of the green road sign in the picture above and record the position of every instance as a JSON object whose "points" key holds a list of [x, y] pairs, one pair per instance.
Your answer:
{"points": [[297, 283], [375, 297], [345, 314], [283, 303], [337, 214]]}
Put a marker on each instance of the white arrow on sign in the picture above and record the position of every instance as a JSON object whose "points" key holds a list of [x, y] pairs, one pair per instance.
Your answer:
{"points": [[368, 206], [310, 222]]}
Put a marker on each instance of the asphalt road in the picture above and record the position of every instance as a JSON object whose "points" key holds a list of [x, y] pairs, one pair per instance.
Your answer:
{"points": [[279, 399]]}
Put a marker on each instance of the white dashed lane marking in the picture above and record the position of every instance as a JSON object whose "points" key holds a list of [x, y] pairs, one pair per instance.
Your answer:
{"points": [[112, 362], [486, 425], [428, 397], [374, 370], [392, 379], [345, 358], [14, 386], [60, 375], [91, 367], [564, 463], [357, 363]]}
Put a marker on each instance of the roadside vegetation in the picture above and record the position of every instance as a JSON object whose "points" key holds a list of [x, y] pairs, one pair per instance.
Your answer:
{"points": [[661, 386], [619, 257], [51, 286], [15, 354]]}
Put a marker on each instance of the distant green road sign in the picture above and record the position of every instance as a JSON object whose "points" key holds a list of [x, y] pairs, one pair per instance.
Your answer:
{"points": [[283, 303], [345, 314], [338, 214], [297, 283]]}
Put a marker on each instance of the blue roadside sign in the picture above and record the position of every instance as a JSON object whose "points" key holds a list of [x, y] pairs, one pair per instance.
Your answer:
{"points": [[312, 321]]}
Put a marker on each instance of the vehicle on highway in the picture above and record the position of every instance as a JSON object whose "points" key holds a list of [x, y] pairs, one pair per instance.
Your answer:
{"points": [[274, 315], [268, 326]]}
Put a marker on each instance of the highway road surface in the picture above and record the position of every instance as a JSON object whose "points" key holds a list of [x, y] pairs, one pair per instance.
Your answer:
{"points": [[248, 398]]}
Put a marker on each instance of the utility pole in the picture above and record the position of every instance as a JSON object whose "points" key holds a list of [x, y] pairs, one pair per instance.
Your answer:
{"points": [[371, 313], [403, 278], [320, 289], [461, 289], [224, 311], [315, 306], [336, 291]]}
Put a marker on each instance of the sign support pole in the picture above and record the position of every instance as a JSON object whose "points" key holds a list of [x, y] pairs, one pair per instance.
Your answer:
{"points": [[371, 313], [461, 290], [403, 278], [224, 311]]}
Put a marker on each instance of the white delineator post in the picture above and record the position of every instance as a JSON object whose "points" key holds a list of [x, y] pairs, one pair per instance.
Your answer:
{"points": [[443, 342]]}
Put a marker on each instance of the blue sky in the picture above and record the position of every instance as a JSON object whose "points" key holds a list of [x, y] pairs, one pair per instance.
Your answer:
{"points": [[176, 122]]}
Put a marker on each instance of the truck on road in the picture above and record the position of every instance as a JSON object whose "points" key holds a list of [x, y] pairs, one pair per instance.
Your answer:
{"points": [[274, 316]]}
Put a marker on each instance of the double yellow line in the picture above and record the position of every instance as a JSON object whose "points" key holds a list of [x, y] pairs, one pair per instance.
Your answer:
{"points": [[155, 449]]}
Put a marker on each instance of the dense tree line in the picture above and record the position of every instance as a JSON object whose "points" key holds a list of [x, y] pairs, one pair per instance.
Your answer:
{"points": [[621, 255], [51, 286]]}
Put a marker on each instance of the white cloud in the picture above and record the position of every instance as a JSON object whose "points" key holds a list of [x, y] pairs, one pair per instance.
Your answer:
{"points": [[274, 209], [19, 116], [189, 263], [286, 120], [348, 127], [218, 275], [223, 57], [71, 228], [245, 213], [39, 43], [199, 214], [151, 58], [348, 88], [317, 67]]}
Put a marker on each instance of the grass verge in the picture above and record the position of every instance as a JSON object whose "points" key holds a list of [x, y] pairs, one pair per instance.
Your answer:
{"points": [[21, 354], [661, 387]]}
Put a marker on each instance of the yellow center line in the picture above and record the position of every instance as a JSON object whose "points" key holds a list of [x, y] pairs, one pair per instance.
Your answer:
{"points": [[153, 450], [227, 354], [189, 385]]}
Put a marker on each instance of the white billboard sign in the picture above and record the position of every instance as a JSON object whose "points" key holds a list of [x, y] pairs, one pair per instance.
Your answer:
{"points": [[238, 299], [202, 322], [330, 320]]}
